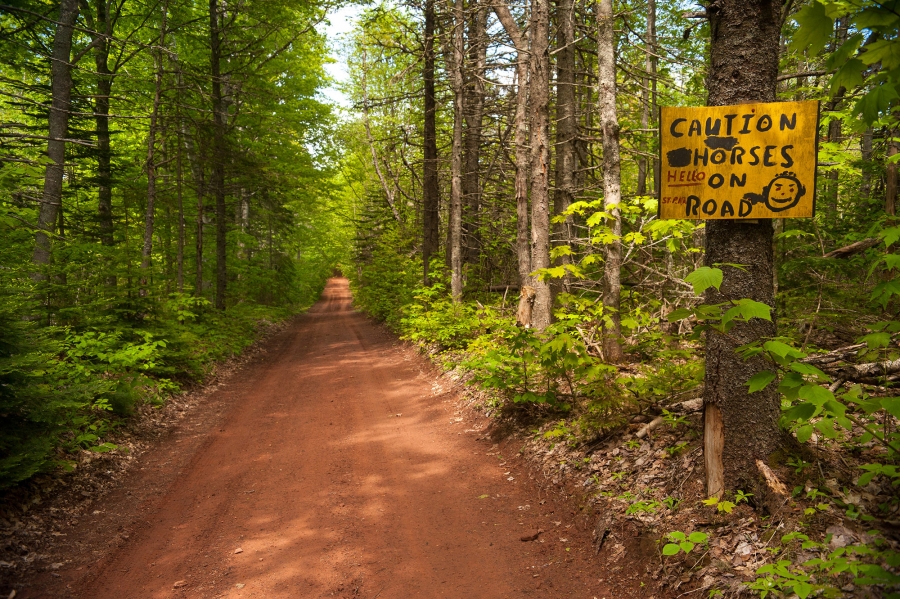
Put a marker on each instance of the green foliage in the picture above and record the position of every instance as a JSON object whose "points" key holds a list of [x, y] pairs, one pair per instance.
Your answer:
{"points": [[869, 58], [680, 542], [552, 368], [864, 564], [645, 506]]}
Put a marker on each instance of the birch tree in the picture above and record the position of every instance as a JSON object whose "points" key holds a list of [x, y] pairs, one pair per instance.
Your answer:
{"points": [[612, 185]]}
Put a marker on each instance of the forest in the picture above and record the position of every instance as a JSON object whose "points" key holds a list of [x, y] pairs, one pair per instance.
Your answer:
{"points": [[174, 179], [168, 184]]}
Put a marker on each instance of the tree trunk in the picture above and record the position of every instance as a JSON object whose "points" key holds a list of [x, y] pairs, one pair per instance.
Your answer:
{"points": [[833, 136], [149, 215], [890, 183], [523, 249], [200, 185], [648, 97], [58, 127], [612, 193], [101, 117], [566, 123], [456, 56], [179, 178], [654, 112], [865, 148], [740, 428], [472, 143], [218, 170], [834, 125], [430, 187], [539, 99]]}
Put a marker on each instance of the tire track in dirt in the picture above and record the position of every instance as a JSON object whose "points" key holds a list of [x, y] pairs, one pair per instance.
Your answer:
{"points": [[337, 472]]}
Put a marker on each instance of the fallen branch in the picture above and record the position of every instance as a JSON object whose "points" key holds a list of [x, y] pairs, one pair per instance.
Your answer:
{"points": [[870, 370], [687, 406], [649, 427], [853, 248], [838, 355]]}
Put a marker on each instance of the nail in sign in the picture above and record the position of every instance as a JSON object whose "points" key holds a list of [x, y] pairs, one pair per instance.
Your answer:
{"points": [[747, 161]]}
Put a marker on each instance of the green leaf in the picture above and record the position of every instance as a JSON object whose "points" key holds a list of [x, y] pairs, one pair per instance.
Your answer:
{"points": [[850, 75], [803, 589], [560, 250], [891, 261], [752, 309], [800, 412], [679, 314], [703, 278], [876, 101], [808, 370], [815, 28], [876, 340], [670, 549], [886, 51], [845, 52], [760, 380], [782, 350], [686, 546], [891, 405], [698, 537], [826, 427], [889, 235], [804, 433], [815, 394]]}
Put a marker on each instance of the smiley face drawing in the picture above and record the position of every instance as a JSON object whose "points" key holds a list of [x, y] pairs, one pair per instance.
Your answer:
{"points": [[782, 193]]}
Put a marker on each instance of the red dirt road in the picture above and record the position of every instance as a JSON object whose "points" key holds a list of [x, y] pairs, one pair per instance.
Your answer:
{"points": [[339, 468]]}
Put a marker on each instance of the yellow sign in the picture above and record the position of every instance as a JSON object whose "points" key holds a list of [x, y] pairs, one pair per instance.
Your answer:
{"points": [[742, 162]]}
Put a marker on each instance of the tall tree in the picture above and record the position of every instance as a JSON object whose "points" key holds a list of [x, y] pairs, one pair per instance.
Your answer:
{"points": [[648, 99], [58, 127], [474, 113], [430, 183], [455, 58], [539, 102], [740, 428], [103, 26], [520, 124], [218, 151], [150, 212], [890, 185], [612, 179], [566, 119]]}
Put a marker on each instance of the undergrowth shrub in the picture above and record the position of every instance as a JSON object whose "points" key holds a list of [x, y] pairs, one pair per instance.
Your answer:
{"points": [[64, 389]]}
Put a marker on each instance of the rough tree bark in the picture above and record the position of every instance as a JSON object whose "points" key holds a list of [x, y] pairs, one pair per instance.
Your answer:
{"points": [[523, 249], [430, 188], [566, 123], [740, 428], [890, 182], [612, 183], [58, 127], [179, 179], [474, 113], [865, 148], [648, 97], [455, 63], [149, 214], [218, 154], [101, 117], [539, 100]]}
